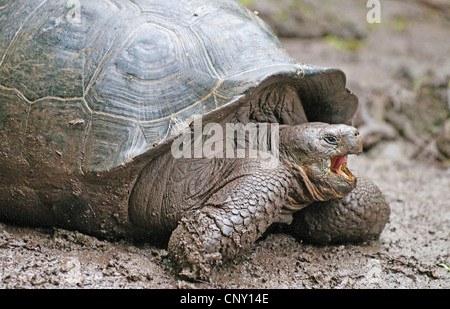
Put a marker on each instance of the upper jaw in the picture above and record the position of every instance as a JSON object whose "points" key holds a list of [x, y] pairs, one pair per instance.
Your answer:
{"points": [[338, 164]]}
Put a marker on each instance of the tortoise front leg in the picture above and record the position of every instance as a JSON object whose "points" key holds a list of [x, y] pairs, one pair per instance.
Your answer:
{"points": [[232, 219], [360, 215]]}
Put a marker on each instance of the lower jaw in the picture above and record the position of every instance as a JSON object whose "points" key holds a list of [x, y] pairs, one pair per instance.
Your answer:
{"points": [[338, 165], [320, 183], [343, 171]]}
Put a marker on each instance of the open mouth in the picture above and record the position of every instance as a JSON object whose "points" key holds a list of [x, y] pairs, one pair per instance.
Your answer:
{"points": [[338, 165]]}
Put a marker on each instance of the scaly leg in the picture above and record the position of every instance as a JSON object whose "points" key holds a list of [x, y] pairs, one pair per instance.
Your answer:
{"points": [[361, 215], [232, 219]]}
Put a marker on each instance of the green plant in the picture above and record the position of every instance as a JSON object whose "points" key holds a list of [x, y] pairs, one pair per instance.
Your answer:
{"points": [[247, 3], [444, 266], [344, 44]]}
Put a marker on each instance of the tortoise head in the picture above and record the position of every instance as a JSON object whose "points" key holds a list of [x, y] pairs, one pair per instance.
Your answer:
{"points": [[317, 154]]}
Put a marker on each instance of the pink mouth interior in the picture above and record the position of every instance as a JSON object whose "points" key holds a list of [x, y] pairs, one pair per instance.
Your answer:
{"points": [[336, 162]]}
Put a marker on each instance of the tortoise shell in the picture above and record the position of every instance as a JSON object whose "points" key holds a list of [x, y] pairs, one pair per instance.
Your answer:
{"points": [[91, 85]]}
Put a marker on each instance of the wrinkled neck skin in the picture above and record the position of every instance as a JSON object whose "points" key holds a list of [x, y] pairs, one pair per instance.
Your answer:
{"points": [[310, 187], [310, 184]]}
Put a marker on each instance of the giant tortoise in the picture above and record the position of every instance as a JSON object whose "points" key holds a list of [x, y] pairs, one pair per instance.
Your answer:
{"points": [[94, 95]]}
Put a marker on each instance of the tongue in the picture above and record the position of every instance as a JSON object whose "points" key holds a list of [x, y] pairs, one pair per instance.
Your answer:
{"points": [[336, 162]]}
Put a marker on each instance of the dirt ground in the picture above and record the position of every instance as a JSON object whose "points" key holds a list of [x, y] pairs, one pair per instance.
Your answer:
{"points": [[413, 250], [408, 254]]}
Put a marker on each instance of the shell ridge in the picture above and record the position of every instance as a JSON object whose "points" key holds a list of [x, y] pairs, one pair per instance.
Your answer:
{"points": [[19, 31], [100, 66], [205, 52]]}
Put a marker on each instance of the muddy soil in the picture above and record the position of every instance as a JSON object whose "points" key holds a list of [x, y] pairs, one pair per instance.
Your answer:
{"points": [[412, 252]]}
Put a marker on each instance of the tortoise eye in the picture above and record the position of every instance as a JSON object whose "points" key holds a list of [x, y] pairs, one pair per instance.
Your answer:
{"points": [[331, 140]]}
